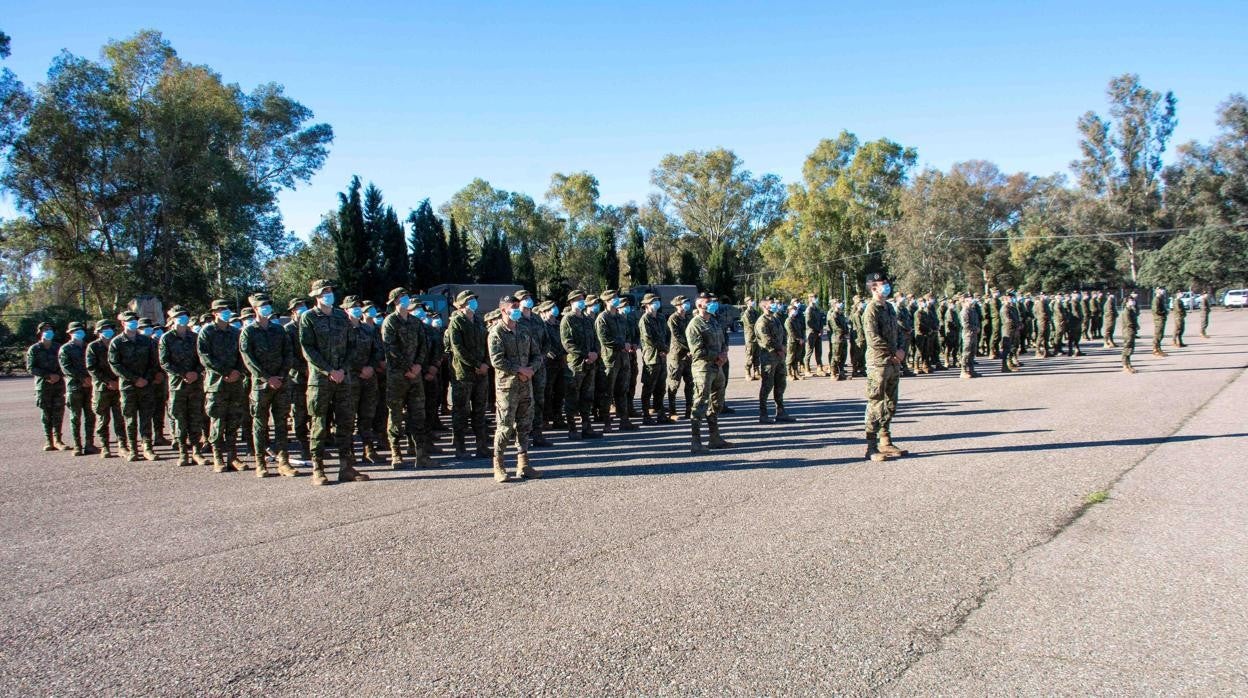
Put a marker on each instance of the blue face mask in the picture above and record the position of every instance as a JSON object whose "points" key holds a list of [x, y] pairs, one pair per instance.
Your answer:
{"points": [[328, 298], [578, 305], [596, 308], [516, 314], [132, 325], [147, 332], [372, 312], [626, 309], [402, 302], [356, 313], [774, 307], [183, 320], [527, 302], [419, 313], [301, 310], [685, 306], [472, 304], [437, 322], [655, 306], [236, 325], [226, 315], [886, 289], [107, 334], [266, 311], [712, 307], [157, 333], [48, 335], [615, 302], [554, 312]]}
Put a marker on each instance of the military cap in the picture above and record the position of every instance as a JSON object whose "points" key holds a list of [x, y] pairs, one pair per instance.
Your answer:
{"points": [[544, 306], [521, 294], [352, 302], [678, 300], [591, 299], [259, 299], [205, 319], [74, 326], [319, 285], [508, 300], [145, 323], [368, 304], [649, 298], [608, 294], [625, 299], [220, 304], [295, 303], [874, 276], [247, 313], [462, 299], [176, 311], [749, 298], [45, 325], [128, 315], [396, 293], [577, 293], [706, 296], [493, 315], [101, 325]]}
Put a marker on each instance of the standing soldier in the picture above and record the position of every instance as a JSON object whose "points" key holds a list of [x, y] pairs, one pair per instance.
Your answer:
{"points": [[951, 326], [557, 373], [1130, 326], [707, 353], [679, 367], [858, 346], [1109, 315], [1204, 315], [992, 324], [73, 360], [1074, 324], [513, 354], [576, 335], [406, 354], [770, 334], [838, 337], [1011, 333], [179, 358], [466, 340], [748, 318], [885, 357], [1098, 314], [654, 344], [268, 356], [1180, 321], [532, 324], [160, 386], [106, 397], [613, 340], [815, 320], [372, 323], [225, 392], [42, 362], [363, 356], [1041, 310], [298, 377], [433, 378], [132, 357], [795, 331], [1159, 319], [970, 320], [323, 332]]}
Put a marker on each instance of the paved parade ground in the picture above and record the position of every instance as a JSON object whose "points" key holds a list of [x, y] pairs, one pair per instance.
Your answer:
{"points": [[787, 565]]}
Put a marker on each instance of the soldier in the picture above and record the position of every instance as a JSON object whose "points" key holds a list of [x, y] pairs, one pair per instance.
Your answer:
{"points": [[225, 392], [297, 382], [72, 358], [178, 354], [1160, 303], [679, 367], [1205, 304], [1097, 308], [858, 346], [532, 324], [406, 354], [324, 334], [433, 377], [160, 387], [609, 327], [381, 414], [707, 353], [654, 345], [971, 321], [926, 327], [43, 364], [557, 373], [1180, 321], [132, 356], [795, 344], [951, 327], [1074, 325], [1011, 331], [992, 324], [885, 357], [513, 355], [268, 356], [1130, 326], [1041, 311], [467, 343], [748, 318], [815, 320], [1109, 315], [770, 333], [246, 318], [106, 394], [838, 339], [364, 353]]}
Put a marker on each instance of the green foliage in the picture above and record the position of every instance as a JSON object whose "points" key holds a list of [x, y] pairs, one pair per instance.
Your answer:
{"points": [[608, 258], [351, 248], [690, 271], [638, 266], [429, 264], [1206, 259], [1068, 264], [290, 275], [721, 271], [494, 265], [526, 273], [459, 258]]}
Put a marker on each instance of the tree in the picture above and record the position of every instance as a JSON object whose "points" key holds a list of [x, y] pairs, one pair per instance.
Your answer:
{"points": [[1207, 259], [525, 271], [1209, 184], [721, 271], [394, 262], [373, 282], [690, 270], [290, 275], [430, 262], [351, 244], [638, 268], [608, 258], [459, 259], [1066, 264], [494, 264], [1121, 164]]}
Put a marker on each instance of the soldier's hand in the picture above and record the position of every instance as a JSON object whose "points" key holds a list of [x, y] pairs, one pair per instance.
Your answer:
{"points": [[591, 357], [140, 382], [337, 375], [234, 376], [190, 376], [54, 378], [431, 370], [275, 382], [86, 382], [159, 378], [411, 375], [111, 385], [900, 356], [366, 372]]}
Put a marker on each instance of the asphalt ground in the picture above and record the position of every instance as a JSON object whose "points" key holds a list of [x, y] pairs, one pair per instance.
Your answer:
{"points": [[787, 565]]}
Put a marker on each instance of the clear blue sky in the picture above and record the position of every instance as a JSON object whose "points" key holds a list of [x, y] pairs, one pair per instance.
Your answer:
{"points": [[423, 97]]}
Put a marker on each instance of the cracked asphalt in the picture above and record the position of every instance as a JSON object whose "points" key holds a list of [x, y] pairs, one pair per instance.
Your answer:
{"points": [[787, 565]]}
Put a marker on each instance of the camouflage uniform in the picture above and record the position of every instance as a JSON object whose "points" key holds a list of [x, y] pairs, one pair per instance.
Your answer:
{"points": [[772, 338], [838, 340], [748, 320], [858, 348], [1160, 312], [297, 379], [73, 361], [433, 382], [679, 366], [226, 401], [43, 364], [267, 354], [883, 375], [323, 333], [105, 400], [404, 340], [133, 357], [532, 325], [178, 352], [1180, 321], [557, 372], [1130, 326], [815, 320], [577, 337], [705, 339], [1109, 317], [971, 322], [795, 331], [466, 342], [610, 328], [512, 349], [364, 351], [654, 343]]}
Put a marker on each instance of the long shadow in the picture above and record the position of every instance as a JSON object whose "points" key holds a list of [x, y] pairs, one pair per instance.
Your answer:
{"points": [[1143, 441]]}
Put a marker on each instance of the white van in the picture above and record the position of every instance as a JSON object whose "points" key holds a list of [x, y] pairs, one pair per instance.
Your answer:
{"points": [[1236, 298]]}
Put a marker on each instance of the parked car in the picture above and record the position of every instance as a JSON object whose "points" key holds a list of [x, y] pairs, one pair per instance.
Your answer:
{"points": [[1235, 298], [1190, 300]]}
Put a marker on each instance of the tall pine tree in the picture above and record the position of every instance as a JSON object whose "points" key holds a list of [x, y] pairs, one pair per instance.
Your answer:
{"points": [[690, 271], [393, 254], [721, 271], [430, 261], [608, 258], [526, 273], [494, 265], [459, 257], [351, 248], [374, 215], [638, 270]]}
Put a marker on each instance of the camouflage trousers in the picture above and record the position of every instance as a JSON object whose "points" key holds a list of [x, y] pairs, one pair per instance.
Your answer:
{"points": [[793, 357], [557, 376], [578, 398], [679, 371], [51, 403], [617, 383], [81, 418], [1107, 328], [1180, 325], [882, 389], [160, 394], [751, 353], [405, 400], [299, 409], [137, 406], [970, 342], [107, 406], [774, 381], [814, 350], [708, 391], [1204, 322], [267, 406], [433, 400], [1128, 348], [468, 407], [653, 382], [514, 412], [364, 405], [537, 388], [1159, 331], [858, 357], [227, 410], [838, 352], [603, 394], [330, 401], [186, 411]]}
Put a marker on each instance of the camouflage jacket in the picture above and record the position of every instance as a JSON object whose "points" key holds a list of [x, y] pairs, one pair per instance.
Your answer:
{"points": [[771, 338], [323, 336], [609, 328], [795, 329], [654, 338], [536, 329], [749, 319], [179, 356], [42, 362], [404, 341], [467, 343], [1130, 321], [73, 360], [838, 325], [132, 358], [1159, 305], [510, 351], [554, 344], [1011, 322], [969, 319], [676, 326], [266, 352], [298, 365], [1110, 309], [815, 320], [219, 354], [879, 323], [706, 342], [363, 349], [97, 364]]}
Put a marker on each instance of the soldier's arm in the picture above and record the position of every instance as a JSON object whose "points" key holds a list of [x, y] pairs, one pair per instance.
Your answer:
{"points": [[871, 328], [164, 356], [95, 369], [67, 363], [114, 362], [32, 366], [307, 340], [288, 355], [377, 353], [393, 344], [498, 357], [697, 345]]}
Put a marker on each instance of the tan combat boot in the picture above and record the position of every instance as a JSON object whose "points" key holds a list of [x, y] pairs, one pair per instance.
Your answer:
{"points": [[58, 443], [695, 438], [262, 467], [148, 453], [500, 472], [239, 464], [873, 451], [184, 454], [47, 442], [106, 450], [284, 468], [523, 469], [346, 469], [887, 448], [423, 460], [714, 441], [197, 454], [370, 453], [318, 471]]}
